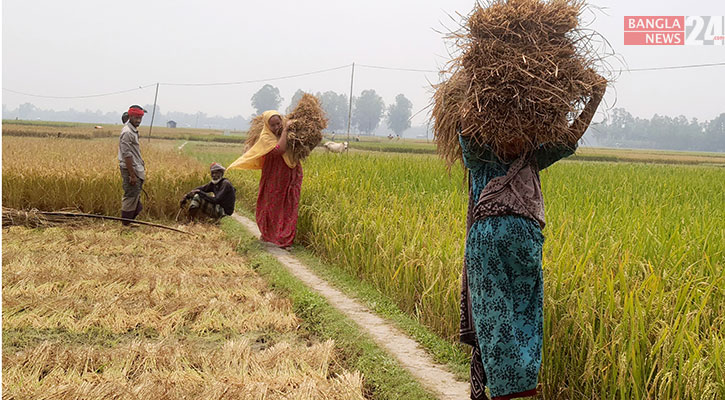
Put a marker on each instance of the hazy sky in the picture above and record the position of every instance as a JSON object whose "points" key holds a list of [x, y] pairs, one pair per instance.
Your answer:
{"points": [[67, 48]]}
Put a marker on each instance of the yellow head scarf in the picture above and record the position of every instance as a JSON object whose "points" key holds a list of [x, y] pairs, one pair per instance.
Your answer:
{"points": [[254, 157]]}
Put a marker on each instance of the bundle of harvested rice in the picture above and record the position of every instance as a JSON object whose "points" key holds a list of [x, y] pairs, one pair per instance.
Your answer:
{"points": [[38, 219], [524, 70], [447, 102], [255, 129], [31, 219], [306, 131], [308, 121]]}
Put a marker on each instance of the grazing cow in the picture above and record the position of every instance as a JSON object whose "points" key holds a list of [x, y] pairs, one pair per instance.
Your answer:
{"points": [[97, 127], [336, 147]]}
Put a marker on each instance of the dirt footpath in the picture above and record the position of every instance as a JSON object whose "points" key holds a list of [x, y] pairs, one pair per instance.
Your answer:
{"points": [[410, 355]]}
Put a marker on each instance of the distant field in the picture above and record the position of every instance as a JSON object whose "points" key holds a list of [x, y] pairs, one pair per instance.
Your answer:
{"points": [[417, 146], [649, 156], [88, 131], [366, 143]]}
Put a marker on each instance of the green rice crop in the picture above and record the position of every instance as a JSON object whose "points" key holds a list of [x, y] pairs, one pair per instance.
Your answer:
{"points": [[633, 261]]}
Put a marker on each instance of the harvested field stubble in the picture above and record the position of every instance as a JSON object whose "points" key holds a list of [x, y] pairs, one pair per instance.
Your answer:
{"points": [[92, 279], [89, 313]]}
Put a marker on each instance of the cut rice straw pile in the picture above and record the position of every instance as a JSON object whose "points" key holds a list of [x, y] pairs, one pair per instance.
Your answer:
{"points": [[32, 219], [91, 314], [255, 129]]}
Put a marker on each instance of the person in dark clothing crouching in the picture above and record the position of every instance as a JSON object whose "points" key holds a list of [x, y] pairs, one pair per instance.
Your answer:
{"points": [[217, 206]]}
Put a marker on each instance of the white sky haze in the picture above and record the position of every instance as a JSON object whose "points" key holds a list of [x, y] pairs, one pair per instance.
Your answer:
{"points": [[82, 47]]}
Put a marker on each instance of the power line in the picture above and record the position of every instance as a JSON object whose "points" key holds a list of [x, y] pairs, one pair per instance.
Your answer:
{"points": [[396, 69], [628, 70], [79, 97], [259, 80], [313, 73], [181, 84], [675, 67]]}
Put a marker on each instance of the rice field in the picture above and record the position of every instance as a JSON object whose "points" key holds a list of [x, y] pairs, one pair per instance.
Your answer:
{"points": [[634, 261], [92, 312], [55, 173]]}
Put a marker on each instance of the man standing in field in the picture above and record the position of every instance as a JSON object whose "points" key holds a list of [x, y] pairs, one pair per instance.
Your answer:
{"points": [[133, 171]]}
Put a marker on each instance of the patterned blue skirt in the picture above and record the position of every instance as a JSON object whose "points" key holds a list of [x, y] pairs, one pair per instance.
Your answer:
{"points": [[505, 280]]}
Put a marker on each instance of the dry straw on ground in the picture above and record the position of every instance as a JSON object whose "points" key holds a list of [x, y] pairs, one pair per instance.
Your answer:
{"points": [[32, 219], [81, 279], [173, 369], [97, 312], [523, 69]]}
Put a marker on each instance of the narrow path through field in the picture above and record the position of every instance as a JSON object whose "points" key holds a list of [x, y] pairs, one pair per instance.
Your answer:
{"points": [[409, 354]]}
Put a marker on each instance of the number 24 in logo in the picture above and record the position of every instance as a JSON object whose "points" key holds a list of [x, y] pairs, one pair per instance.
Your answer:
{"points": [[705, 30]]}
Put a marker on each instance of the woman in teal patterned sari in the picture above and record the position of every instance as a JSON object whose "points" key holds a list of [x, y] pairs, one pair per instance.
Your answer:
{"points": [[504, 276]]}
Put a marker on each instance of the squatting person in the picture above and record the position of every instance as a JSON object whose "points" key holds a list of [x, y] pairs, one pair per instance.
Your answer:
{"points": [[217, 206]]}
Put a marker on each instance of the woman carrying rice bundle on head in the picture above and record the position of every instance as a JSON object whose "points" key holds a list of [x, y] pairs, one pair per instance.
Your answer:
{"points": [[281, 181], [503, 287], [521, 93]]}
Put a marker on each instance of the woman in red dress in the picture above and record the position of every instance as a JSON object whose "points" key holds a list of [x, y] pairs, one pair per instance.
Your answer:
{"points": [[279, 187]]}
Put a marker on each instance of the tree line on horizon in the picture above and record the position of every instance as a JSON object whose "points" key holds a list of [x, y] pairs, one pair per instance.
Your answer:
{"points": [[619, 129], [368, 109], [368, 112], [622, 129]]}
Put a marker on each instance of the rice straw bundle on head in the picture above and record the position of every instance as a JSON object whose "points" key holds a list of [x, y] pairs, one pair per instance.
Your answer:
{"points": [[448, 100], [255, 129], [308, 121], [523, 72]]}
